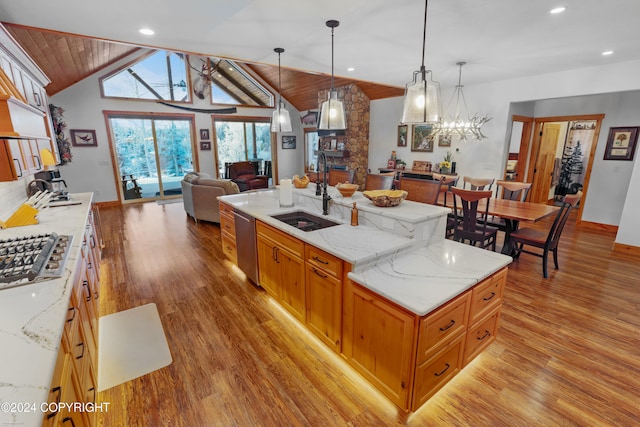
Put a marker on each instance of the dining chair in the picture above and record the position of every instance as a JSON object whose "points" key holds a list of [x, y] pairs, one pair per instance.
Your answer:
{"points": [[448, 181], [421, 190], [477, 183], [378, 182], [508, 190], [338, 175], [547, 241], [467, 227]]}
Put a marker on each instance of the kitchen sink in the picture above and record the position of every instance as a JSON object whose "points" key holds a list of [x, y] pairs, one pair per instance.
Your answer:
{"points": [[304, 221]]}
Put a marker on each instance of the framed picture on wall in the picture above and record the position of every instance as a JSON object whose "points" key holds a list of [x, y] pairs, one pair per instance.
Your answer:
{"points": [[288, 142], [83, 138], [204, 133], [621, 143], [422, 138], [444, 141], [402, 136]]}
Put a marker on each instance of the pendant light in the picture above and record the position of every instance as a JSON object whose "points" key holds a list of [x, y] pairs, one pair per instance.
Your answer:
{"points": [[332, 115], [461, 123], [281, 121], [422, 98]]}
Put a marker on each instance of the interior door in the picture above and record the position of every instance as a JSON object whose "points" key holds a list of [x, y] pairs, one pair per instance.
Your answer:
{"points": [[543, 171]]}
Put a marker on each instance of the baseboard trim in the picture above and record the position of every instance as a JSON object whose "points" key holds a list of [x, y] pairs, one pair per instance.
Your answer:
{"points": [[598, 226], [626, 249]]}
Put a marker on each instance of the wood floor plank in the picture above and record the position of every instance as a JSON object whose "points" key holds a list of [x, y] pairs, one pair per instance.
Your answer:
{"points": [[566, 352]]}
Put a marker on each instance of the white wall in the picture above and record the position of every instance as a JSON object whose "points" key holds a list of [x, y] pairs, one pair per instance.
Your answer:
{"points": [[92, 170], [553, 94]]}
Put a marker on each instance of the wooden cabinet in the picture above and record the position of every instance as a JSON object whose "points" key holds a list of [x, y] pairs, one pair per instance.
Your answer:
{"points": [[75, 378], [378, 341], [281, 268], [228, 232], [324, 296]]}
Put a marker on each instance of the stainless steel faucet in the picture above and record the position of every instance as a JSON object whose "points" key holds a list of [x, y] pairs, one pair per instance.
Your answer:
{"points": [[325, 196]]}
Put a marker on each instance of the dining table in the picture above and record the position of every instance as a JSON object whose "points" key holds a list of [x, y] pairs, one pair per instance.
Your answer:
{"points": [[511, 211]]}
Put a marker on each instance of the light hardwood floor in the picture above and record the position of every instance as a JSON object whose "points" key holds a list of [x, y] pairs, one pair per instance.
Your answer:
{"points": [[567, 351]]}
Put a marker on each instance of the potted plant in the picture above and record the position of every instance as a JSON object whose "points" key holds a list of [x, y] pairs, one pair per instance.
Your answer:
{"points": [[445, 166]]}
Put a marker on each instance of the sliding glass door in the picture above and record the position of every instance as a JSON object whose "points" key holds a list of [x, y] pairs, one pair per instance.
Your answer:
{"points": [[153, 154], [245, 139]]}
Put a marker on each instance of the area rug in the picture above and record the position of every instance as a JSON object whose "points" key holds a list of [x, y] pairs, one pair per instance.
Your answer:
{"points": [[131, 344], [169, 201]]}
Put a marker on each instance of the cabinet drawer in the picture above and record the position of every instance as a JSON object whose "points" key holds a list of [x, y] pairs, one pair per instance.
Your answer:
{"points": [[323, 260], [437, 371], [487, 295], [293, 245], [226, 209], [445, 323], [481, 335], [228, 224], [229, 247]]}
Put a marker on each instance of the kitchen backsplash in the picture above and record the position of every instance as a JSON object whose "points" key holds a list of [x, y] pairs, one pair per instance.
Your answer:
{"points": [[12, 195]]}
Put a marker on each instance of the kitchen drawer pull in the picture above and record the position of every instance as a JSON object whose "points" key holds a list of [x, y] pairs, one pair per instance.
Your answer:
{"points": [[59, 391], [19, 168], [493, 294], [69, 419], [320, 261], [453, 322], [324, 276], [437, 374], [73, 309], [85, 283], [81, 354], [486, 334]]}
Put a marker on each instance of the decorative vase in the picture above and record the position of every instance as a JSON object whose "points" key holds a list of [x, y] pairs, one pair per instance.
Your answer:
{"points": [[445, 170]]}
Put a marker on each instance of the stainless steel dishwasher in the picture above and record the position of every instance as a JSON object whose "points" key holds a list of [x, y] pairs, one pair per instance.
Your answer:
{"points": [[246, 245]]}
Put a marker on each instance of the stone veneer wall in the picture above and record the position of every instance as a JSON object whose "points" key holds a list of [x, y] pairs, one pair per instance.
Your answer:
{"points": [[356, 138]]}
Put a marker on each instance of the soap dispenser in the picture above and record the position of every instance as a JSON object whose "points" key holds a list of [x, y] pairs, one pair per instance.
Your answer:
{"points": [[354, 215]]}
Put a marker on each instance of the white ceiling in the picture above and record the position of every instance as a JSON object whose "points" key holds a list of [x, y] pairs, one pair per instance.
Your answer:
{"points": [[381, 39]]}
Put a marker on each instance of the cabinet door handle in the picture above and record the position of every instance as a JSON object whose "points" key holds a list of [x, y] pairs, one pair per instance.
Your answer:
{"points": [[36, 96], [57, 390], [321, 261], [72, 309], [486, 334], [437, 374], [19, 168], [493, 294], [39, 162], [453, 322], [324, 276], [85, 283], [81, 354], [69, 419]]}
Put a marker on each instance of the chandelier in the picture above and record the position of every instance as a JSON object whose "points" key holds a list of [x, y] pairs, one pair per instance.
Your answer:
{"points": [[462, 124], [422, 97], [281, 121]]}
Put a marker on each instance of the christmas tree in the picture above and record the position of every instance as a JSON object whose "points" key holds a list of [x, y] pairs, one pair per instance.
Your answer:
{"points": [[571, 165]]}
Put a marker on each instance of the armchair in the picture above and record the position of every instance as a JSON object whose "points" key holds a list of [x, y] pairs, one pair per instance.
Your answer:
{"points": [[244, 174]]}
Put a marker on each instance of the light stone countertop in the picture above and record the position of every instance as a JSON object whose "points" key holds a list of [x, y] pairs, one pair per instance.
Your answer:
{"points": [[419, 275], [32, 317]]}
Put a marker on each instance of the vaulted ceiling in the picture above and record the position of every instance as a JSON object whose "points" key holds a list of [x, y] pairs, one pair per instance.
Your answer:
{"points": [[66, 59]]}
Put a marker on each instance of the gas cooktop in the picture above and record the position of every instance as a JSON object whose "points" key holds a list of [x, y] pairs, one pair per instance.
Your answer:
{"points": [[31, 259]]}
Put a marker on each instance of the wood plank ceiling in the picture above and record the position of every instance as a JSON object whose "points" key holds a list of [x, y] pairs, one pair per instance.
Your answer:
{"points": [[67, 59]]}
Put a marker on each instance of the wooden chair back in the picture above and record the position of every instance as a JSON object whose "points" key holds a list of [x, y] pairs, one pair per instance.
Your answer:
{"points": [[513, 190], [467, 225], [421, 190], [337, 175], [570, 201], [477, 183], [378, 182]]}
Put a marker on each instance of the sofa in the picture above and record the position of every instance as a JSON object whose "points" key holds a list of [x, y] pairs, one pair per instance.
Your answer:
{"points": [[200, 195], [244, 174]]}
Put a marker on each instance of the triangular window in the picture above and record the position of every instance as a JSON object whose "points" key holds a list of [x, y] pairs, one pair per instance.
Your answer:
{"points": [[158, 75]]}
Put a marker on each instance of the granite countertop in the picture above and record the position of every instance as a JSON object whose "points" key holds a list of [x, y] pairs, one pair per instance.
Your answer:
{"points": [[418, 275], [32, 317]]}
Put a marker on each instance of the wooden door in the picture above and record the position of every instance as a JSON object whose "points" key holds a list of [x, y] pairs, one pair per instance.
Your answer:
{"points": [[543, 171], [269, 270], [292, 283], [324, 296], [381, 343]]}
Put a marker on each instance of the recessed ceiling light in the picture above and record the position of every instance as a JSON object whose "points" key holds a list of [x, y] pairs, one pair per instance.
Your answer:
{"points": [[147, 31], [558, 9], [607, 52], [351, 69]]}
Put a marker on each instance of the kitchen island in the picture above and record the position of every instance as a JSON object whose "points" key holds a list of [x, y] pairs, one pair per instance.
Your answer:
{"points": [[374, 292], [34, 317]]}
